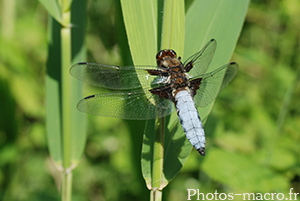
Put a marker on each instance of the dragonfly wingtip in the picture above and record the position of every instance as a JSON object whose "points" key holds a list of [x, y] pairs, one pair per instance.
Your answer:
{"points": [[91, 96]]}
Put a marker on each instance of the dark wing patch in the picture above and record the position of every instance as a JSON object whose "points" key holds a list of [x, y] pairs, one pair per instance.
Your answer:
{"points": [[198, 63], [163, 92], [195, 85]]}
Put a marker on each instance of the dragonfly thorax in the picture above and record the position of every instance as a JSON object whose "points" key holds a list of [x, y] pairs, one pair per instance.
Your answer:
{"points": [[178, 79]]}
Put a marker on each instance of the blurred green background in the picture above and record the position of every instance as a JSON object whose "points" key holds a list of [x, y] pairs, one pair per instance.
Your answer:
{"points": [[253, 131]]}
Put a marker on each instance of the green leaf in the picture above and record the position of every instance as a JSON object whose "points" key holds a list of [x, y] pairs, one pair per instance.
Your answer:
{"points": [[53, 82], [78, 128], [219, 20], [54, 91], [206, 20], [53, 9]]}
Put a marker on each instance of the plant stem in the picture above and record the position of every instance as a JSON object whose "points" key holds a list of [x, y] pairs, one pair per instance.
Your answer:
{"points": [[66, 185], [155, 195], [66, 100], [66, 85], [8, 18], [158, 161]]}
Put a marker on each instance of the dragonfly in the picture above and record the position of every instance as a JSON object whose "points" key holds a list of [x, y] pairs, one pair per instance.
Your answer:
{"points": [[149, 92]]}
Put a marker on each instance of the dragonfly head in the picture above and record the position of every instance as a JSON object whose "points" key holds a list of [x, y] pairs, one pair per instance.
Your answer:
{"points": [[166, 57]]}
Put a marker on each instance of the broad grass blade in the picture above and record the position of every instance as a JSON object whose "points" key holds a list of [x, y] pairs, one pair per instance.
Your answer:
{"points": [[204, 20]]}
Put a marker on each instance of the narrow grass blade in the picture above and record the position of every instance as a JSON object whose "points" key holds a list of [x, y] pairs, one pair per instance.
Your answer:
{"points": [[65, 125], [78, 119], [53, 9], [53, 99], [54, 89]]}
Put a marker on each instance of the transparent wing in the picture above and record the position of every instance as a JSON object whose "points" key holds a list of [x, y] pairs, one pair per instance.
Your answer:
{"points": [[201, 60], [115, 77], [127, 105], [213, 83]]}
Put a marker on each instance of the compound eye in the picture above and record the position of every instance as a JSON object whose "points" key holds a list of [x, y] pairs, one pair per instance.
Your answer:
{"points": [[172, 53], [160, 54]]}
